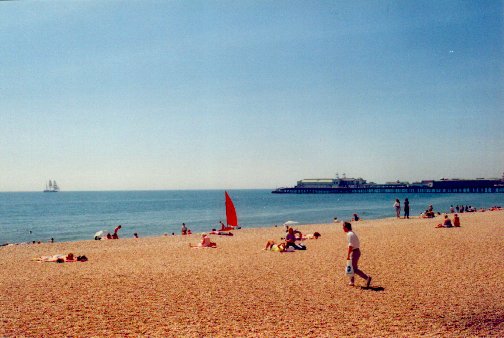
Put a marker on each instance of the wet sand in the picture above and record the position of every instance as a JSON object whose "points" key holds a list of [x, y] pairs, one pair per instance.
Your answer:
{"points": [[426, 281]]}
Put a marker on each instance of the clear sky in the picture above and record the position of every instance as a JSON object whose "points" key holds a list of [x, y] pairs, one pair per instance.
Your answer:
{"points": [[118, 95]]}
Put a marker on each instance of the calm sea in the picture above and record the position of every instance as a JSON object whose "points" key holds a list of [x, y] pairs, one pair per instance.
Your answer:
{"points": [[72, 216]]}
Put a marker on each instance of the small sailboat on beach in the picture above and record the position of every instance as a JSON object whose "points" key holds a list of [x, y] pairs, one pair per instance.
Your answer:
{"points": [[231, 218]]}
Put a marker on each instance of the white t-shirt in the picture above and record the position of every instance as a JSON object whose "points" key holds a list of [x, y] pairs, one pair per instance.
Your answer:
{"points": [[353, 240]]}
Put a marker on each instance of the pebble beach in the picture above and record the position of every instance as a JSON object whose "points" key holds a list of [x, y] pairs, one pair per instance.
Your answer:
{"points": [[426, 282]]}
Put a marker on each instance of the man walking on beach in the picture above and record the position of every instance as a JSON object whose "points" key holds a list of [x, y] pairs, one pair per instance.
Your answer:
{"points": [[354, 252]]}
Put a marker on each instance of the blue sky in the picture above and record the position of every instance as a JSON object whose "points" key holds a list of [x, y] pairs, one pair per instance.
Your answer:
{"points": [[110, 95]]}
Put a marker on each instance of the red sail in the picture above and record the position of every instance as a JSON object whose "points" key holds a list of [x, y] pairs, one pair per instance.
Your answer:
{"points": [[231, 218]]}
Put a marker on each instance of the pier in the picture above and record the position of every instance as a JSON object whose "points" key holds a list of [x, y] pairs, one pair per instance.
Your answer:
{"points": [[370, 190], [361, 186]]}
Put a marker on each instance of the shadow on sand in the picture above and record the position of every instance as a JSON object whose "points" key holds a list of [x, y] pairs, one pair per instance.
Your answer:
{"points": [[373, 288]]}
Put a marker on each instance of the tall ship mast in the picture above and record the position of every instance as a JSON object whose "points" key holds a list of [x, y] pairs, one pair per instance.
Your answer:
{"points": [[51, 186]]}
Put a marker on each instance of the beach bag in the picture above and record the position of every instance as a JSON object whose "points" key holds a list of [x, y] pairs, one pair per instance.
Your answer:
{"points": [[349, 268]]}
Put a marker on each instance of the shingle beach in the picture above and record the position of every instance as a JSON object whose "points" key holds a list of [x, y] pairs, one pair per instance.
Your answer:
{"points": [[426, 282]]}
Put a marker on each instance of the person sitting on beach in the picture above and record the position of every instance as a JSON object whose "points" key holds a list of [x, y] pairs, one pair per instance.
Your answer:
{"points": [[271, 245], [183, 229], [428, 214], [290, 241], [456, 221], [135, 235], [205, 242], [109, 236], [355, 217], [189, 232], [446, 223]]}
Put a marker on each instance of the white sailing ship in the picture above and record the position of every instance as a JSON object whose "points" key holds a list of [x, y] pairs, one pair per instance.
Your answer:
{"points": [[51, 186]]}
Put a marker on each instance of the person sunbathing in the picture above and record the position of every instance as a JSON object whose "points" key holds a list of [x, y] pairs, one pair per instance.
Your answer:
{"points": [[315, 235], [272, 246], [220, 233], [205, 242], [59, 258]]}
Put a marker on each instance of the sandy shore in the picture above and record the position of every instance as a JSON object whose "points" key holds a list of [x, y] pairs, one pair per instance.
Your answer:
{"points": [[426, 281]]}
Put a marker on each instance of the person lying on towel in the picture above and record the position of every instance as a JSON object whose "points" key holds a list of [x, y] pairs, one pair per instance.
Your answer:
{"points": [[205, 242]]}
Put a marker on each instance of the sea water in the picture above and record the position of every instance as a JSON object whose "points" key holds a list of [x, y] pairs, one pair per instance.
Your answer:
{"points": [[72, 216]]}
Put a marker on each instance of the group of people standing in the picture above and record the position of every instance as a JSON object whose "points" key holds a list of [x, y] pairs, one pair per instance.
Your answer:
{"points": [[397, 207]]}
